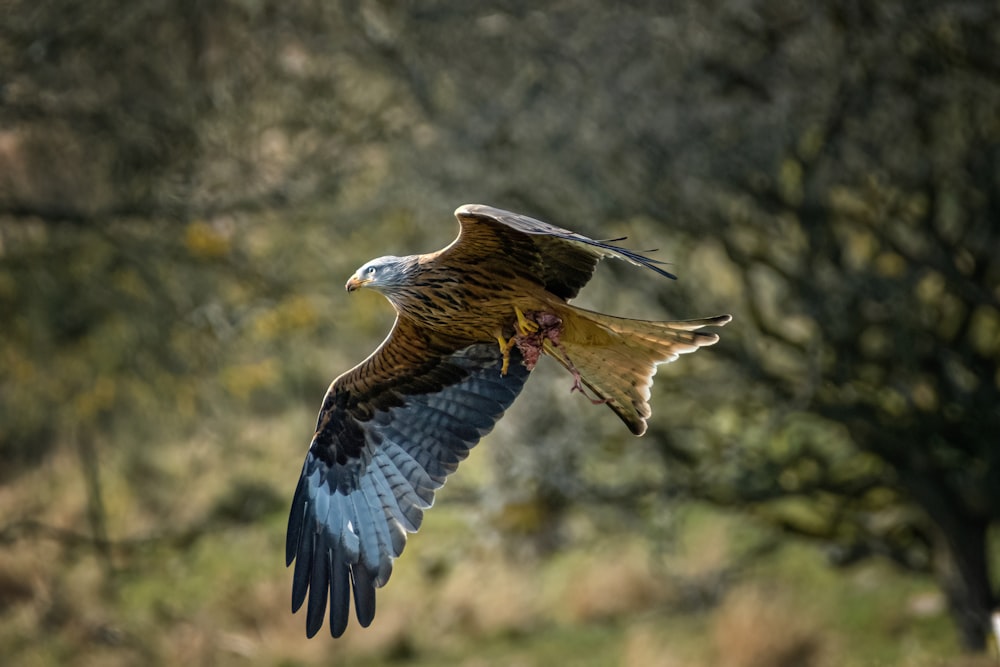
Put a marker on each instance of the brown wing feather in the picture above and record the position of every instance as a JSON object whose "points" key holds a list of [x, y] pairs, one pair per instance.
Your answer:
{"points": [[402, 364], [561, 260]]}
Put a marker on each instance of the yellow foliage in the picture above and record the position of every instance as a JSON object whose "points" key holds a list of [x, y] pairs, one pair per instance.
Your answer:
{"points": [[206, 242], [294, 314], [892, 402], [243, 379], [890, 264], [21, 369], [924, 396], [790, 181], [985, 331], [850, 204], [129, 282], [931, 287], [522, 517], [811, 142], [859, 246], [95, 399], [875, 342], [8, 285]]}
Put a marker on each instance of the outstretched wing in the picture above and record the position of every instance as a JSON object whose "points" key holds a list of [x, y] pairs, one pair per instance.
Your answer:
{"points": [[389, 432], [561, 260]]}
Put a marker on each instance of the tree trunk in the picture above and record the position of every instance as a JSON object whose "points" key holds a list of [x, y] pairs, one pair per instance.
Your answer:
{"points": [[963, 570], [961, 560]]}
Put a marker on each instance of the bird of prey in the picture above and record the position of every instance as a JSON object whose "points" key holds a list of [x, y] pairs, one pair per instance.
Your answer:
{"points": [[471, 322]]}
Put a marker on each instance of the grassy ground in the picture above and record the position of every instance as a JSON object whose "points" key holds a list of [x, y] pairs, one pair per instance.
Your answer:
{"points": [[196, 578]]}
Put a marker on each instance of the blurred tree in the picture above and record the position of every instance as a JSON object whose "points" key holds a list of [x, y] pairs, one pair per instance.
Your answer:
{"points": [[134, 148], [836, 167], [142, 285], [828, 171], [865, 246]]}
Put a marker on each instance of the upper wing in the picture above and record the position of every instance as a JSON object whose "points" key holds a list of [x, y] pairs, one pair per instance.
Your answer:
{"points": [[389, 432], [563, 261]]}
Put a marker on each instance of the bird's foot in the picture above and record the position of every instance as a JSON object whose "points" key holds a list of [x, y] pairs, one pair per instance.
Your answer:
{"points": [[553, 349], [578, 386], [505, 347], [524, 326]]}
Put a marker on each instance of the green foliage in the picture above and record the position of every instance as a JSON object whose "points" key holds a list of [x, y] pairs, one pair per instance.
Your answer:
{"points": [[184, 189]]}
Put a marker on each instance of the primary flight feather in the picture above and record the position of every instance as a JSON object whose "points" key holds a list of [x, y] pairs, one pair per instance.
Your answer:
{"points": [[472, 320]]}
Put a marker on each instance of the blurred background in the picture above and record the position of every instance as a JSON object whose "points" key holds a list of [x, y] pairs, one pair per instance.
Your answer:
{"points": [[185, 187]]}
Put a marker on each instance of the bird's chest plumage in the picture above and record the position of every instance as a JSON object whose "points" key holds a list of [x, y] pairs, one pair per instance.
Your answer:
{"points": [[470, 304]]}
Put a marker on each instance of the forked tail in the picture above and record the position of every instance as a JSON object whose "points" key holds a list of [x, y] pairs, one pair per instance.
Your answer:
{"points": [[616, 358]]}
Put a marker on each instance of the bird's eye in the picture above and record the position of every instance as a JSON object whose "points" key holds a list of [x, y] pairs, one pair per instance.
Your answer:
{"points": [[371, 270]]}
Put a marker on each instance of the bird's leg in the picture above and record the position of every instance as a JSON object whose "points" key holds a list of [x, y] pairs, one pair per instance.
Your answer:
{"points": [[525, 331], [578, 386], [553, 349], [505, 347]]}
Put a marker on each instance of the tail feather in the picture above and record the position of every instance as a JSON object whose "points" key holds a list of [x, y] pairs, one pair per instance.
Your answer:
{"points": [[616, 357]]}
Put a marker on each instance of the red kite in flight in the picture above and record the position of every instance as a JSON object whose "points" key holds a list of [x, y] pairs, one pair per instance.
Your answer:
{"points": [[471, 322]]}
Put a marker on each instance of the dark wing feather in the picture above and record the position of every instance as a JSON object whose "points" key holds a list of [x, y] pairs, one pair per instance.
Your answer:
{"points": [[563, 261], [389, 432]]}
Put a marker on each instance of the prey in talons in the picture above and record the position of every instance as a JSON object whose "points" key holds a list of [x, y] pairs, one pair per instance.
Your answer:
{"points": [[537, 333], [531, 331]]}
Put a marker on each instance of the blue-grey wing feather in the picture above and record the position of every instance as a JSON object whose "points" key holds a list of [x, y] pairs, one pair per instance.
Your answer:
{"points": [[370, 473]]}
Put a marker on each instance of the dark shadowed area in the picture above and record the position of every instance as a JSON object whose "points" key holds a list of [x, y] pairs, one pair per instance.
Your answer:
{"points": [[185, 187]]}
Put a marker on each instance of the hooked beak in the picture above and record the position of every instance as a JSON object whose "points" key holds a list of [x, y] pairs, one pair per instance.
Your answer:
{"points": [[355, 283]]}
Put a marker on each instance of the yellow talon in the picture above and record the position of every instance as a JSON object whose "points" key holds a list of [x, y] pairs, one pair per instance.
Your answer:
{"points": [[505, 347], [524, 325]]}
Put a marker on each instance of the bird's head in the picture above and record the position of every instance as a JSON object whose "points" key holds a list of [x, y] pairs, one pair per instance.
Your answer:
{"points": [[382, 274]]}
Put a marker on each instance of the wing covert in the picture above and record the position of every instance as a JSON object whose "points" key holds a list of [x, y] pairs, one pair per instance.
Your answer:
{"points": [[561, 260]]}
